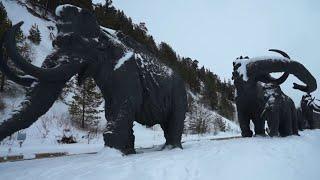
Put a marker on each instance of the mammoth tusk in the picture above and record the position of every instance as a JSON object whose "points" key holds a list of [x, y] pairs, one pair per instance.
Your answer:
{"points": [[61, 73]]}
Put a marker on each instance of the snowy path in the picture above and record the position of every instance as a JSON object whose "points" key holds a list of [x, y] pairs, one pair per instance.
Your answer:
{"points": [[253, 158]]}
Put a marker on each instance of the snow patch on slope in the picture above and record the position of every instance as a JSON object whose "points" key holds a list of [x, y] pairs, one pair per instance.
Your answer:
{"points": [[112, 34], [128, 55]]}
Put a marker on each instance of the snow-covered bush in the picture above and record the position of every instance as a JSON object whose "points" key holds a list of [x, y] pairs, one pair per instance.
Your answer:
{"points": [[219, 124], [34, 34], [199, 120], [67, 137], [44, 126]]}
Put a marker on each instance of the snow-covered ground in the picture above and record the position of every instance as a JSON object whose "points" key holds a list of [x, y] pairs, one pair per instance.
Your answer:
{"points": [[35, 143], [248, 158]]}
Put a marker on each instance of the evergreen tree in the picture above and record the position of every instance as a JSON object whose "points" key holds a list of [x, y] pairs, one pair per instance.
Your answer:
{"points": [[225, 108], [34, 34], [84, 107], [167, 54], [210, 92]]}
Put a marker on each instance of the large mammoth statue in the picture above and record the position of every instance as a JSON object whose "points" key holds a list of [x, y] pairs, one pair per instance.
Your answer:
{"points": [[259, 96], [308, 107], [134, 84]]}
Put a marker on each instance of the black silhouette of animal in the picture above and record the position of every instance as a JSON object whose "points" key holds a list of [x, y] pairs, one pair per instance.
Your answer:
{"points": [[136, 86], [308, 108], [260, 98]]}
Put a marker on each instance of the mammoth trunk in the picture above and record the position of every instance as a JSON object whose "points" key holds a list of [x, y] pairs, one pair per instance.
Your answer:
{"points": [[63, 72], [261, 67], [41, 98]]}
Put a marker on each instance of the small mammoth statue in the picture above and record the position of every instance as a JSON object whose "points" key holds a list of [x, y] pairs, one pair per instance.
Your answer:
{"points": [[259, 97]]}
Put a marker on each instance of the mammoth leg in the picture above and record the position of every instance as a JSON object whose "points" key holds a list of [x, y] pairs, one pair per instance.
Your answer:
{"points": [[259, 125], [42, 98], [295, 121], [300, 119], [119, 133], [285, 126], [173, 129], [273, 120], [244, 122]]}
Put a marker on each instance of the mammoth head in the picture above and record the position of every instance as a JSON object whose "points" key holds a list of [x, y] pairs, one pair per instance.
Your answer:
{"points": [[66, 65], [309, 101], [259, 69], [74, 48], [72, 19]]}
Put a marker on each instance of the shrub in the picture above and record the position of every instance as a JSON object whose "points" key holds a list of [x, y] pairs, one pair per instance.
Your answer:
{"points": [[34, 34], [199, 120]]}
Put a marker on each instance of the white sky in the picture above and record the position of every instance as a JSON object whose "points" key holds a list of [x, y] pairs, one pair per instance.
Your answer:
{"points": [[216, 32]]}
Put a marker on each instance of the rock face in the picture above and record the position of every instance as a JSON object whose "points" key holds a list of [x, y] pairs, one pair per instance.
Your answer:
{"points": [[136, 86], [259, 96]]}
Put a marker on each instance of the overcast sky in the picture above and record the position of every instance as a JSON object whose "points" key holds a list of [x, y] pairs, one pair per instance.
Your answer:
{"points": [[216, 32]]}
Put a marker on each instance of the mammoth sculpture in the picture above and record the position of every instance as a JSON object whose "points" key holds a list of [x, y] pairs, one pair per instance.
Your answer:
{"points": [[134, 84], [308, 107], [259, 96]]}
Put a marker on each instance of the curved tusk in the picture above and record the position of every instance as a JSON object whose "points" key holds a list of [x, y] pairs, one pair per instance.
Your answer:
{"points": [[61, 73]]}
